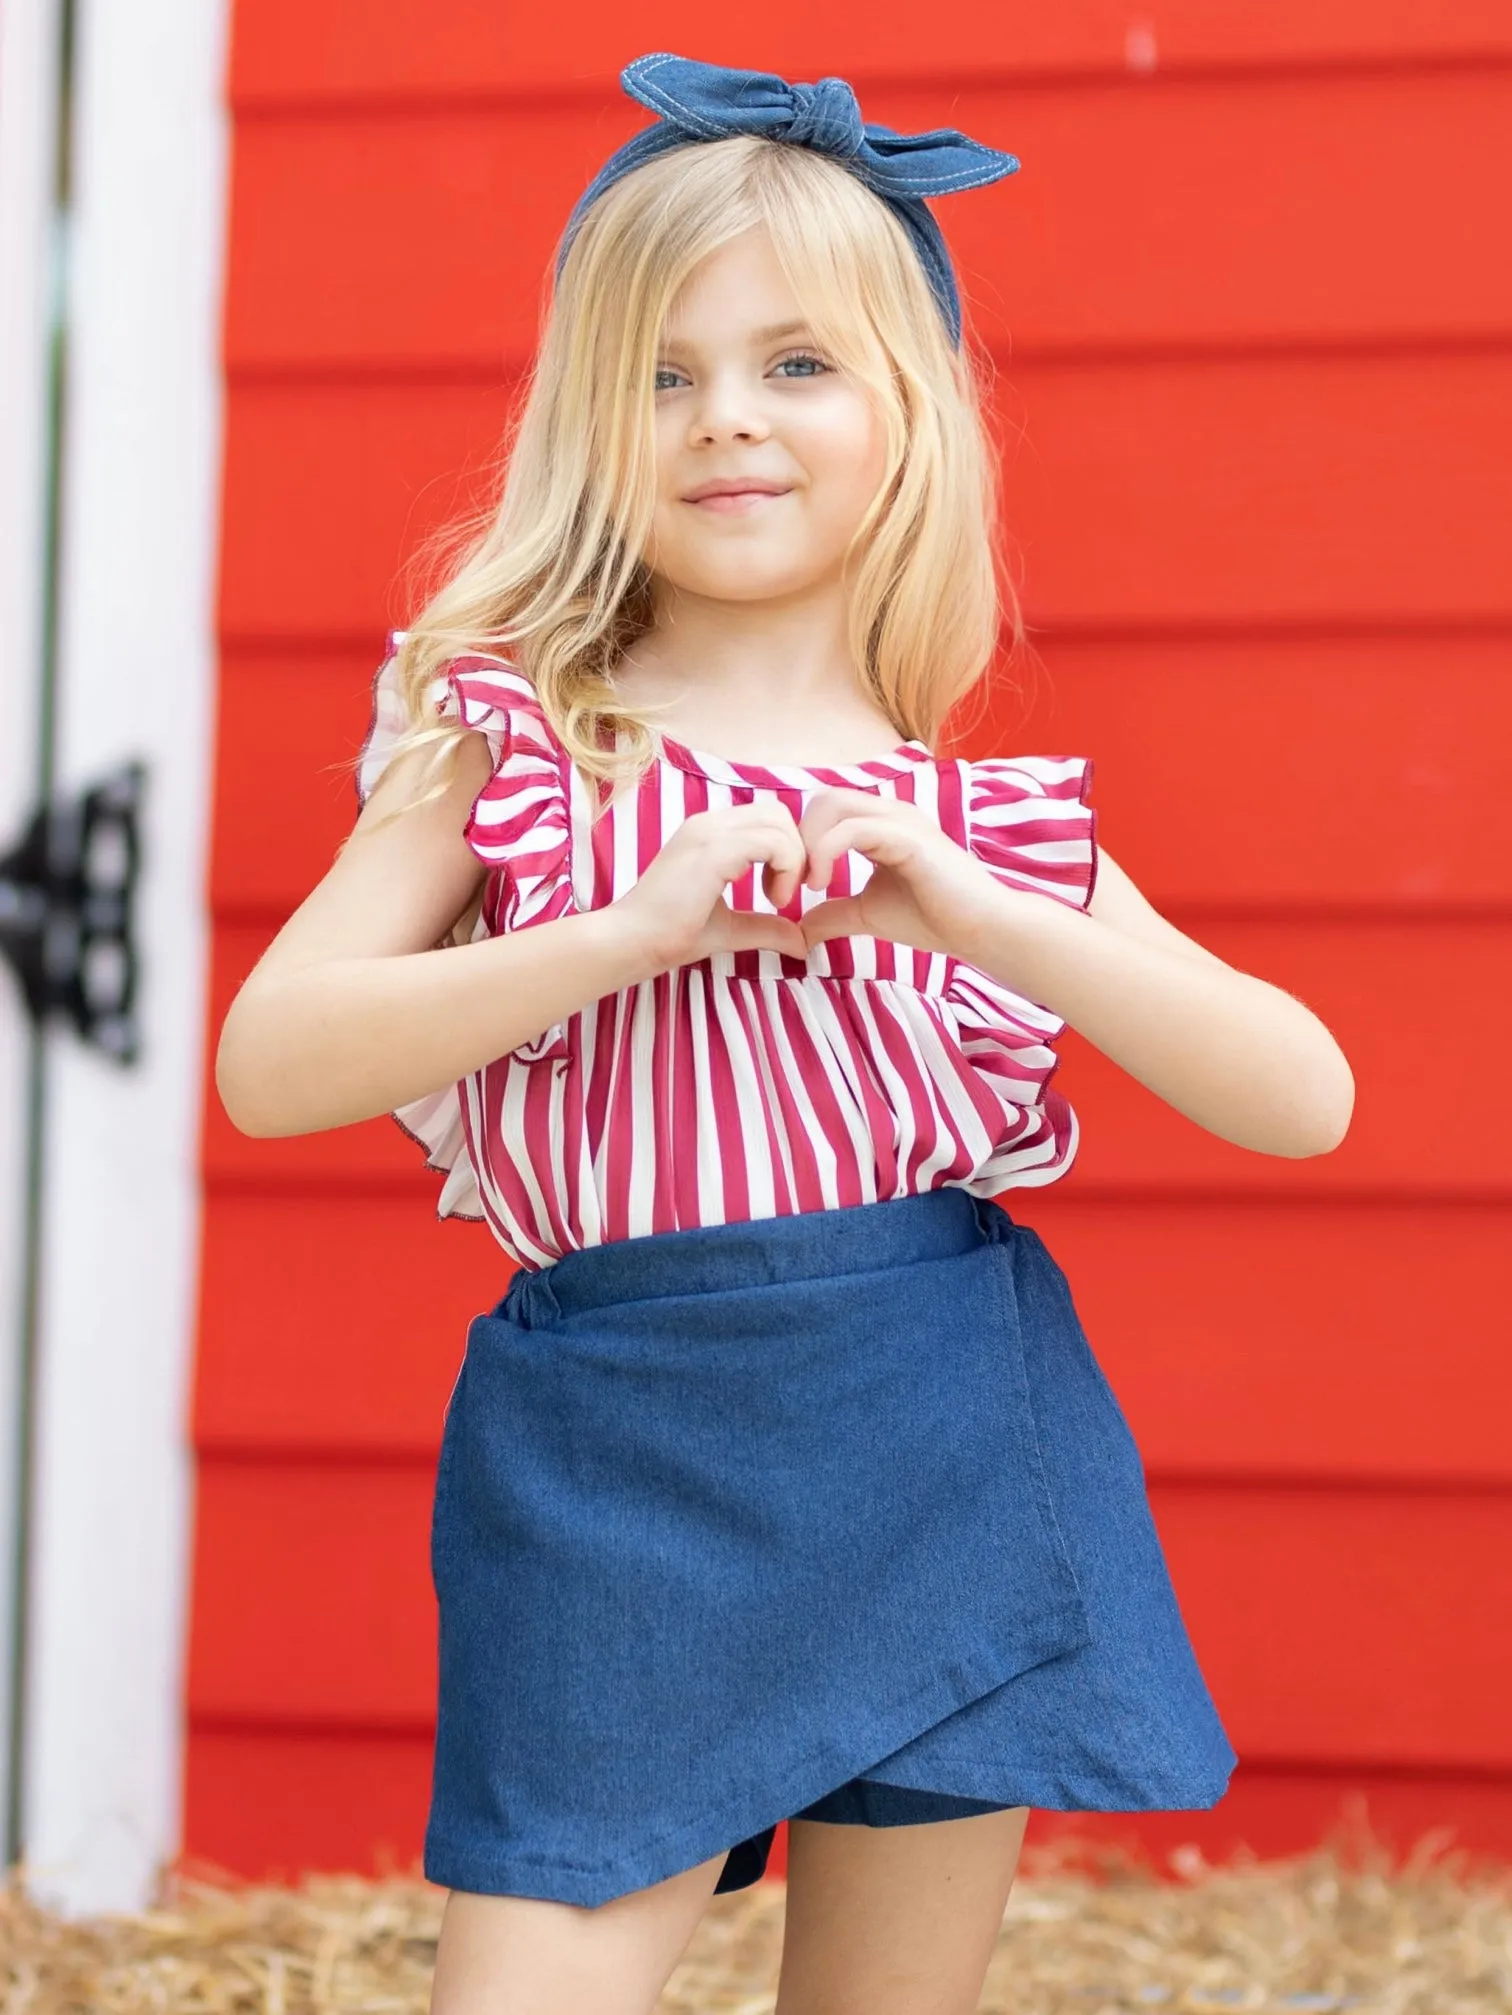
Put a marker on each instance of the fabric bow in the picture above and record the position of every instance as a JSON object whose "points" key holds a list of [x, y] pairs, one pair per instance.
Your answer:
{"points": [[704, 101]]}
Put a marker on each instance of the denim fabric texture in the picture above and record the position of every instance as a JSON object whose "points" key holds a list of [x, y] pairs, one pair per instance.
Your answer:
{"points": [[755, 1520], [697, 102]]}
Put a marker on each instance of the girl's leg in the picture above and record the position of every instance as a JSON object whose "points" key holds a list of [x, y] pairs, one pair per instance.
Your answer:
{"points": [[895, 1920], [528, 1957]]}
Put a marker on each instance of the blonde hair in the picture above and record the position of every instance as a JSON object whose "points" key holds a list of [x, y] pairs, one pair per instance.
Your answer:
{"points": [[550, 578]]}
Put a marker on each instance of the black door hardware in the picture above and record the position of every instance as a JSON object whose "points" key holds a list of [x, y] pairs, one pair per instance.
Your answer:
{"points": [[66, 904]]}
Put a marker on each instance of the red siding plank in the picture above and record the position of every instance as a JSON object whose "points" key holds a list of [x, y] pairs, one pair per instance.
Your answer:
{"points": [[1388, 750], [335, 1323], [1299, 225], [1320, 1617], [358, 1803], [312, 1598], [1352, 1626], [287, 734], [1346, 1341], [1433, 1115], [412, 49], [267, 1806], [1323, 490], [329, 494], [1326, 490], [1283, 772], [1273, 1812], [1418, 1009]]}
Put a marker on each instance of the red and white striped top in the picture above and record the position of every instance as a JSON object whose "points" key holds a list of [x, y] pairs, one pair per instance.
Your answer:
{"points": [[750, 1084]]}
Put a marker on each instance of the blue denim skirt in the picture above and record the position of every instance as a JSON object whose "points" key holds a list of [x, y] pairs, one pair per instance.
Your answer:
{"points": [[798, 1513]]}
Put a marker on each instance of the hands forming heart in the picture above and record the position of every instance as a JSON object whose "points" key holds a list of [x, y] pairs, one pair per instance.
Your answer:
{"points": [[924, 890]]}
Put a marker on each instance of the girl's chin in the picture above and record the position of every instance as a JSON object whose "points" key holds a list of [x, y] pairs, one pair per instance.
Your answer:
{"points": [[749, 584]]}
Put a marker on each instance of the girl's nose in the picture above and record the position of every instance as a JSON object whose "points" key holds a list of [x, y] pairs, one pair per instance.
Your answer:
{"points": [[726, 412]]}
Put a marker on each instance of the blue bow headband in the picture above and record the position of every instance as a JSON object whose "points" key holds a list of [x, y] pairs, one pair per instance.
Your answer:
{"points": [[703, 101]]}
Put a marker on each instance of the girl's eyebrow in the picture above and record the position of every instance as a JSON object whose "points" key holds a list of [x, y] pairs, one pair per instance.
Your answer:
{"points": [[772, 333], [775, 331]]}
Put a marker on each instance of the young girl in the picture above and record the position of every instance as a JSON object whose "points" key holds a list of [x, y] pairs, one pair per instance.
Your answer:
{"points": [[782, 1482]]}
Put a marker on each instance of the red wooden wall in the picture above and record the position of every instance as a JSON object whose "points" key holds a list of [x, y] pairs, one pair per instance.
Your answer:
{"points": [[1255, 344]]}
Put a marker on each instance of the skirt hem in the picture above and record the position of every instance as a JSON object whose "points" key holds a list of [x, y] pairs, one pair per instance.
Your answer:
{"points": [[484, 1874], [551, 1879]]}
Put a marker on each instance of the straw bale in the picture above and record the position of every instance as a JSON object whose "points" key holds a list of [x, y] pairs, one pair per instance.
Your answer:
{"points": [[1089, 1930]]}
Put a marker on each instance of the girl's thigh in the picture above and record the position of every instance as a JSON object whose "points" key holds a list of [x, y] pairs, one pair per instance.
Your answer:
{"points": [[537, 1958], [895, 1920]]}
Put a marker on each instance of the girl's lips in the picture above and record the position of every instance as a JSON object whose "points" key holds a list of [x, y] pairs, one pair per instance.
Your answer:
{"points": [[736, 500]]}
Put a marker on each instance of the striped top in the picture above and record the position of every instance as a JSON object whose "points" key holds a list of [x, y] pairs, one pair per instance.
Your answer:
{"points": [[751, 1083]]}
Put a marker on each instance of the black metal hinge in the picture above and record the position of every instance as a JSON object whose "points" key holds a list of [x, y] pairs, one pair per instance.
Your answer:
{"points": [[66, 912]]}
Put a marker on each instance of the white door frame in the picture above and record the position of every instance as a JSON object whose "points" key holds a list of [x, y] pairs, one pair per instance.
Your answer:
{"points": [[112, 1489], [30, 52]]}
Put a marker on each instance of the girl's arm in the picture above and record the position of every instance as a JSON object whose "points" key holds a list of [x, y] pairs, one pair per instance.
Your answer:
{"points": [[352, 1010], [1239, 1056]]}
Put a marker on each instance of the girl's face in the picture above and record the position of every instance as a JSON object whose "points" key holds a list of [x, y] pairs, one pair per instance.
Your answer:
{"points": [[748, 403]]}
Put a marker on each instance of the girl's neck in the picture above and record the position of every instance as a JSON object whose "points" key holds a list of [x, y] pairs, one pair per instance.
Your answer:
{"points": [[724, 675]]}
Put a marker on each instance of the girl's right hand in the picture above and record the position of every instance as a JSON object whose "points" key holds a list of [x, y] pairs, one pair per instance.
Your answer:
{"points": [[677, 908]]}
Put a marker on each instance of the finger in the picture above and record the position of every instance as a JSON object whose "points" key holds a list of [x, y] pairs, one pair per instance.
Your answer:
{"points": [[784, 861], [753, 930], [838, 801], [781, 880], [838, 918], [878, 838], [775, 842]]}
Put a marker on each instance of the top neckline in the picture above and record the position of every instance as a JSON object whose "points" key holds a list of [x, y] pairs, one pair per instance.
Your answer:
{"points": [[725, 769]]}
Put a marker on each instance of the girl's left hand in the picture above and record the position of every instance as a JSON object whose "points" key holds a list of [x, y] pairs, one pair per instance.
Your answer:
{"points": [[924, 890]]}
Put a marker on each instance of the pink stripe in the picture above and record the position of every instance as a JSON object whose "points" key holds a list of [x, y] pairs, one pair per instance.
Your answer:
{"points": [[769, 1142], [618, 1119], [664, 1208], [682, 1113], [727, 1127]]}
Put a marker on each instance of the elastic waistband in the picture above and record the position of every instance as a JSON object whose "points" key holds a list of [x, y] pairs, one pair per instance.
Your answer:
{"points": [[761, 1252]]}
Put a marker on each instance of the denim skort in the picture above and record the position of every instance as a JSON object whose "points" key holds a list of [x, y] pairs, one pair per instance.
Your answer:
{"points": [[746, 1519]]}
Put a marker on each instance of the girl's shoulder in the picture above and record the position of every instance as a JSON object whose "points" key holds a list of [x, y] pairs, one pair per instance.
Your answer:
{"points": [[521, 820], [479, 691]]}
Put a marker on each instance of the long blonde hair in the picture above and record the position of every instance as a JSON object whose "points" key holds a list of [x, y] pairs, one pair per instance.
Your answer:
{"points": [[549, 576]]}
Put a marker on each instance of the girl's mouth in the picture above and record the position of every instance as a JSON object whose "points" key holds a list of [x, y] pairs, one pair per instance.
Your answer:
{"points": [[727, 501]]}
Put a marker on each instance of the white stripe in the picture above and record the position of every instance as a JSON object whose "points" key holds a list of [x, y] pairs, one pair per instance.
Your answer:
{"points": [[642, 1190], [711, 1200], [870, 1002], [823, 1017], [758, 1155], [825, 1157], [754, 996]]}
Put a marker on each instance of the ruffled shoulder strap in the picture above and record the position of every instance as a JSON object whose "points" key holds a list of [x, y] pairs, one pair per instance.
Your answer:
{"points": [[1029, 823], [520, 823]]}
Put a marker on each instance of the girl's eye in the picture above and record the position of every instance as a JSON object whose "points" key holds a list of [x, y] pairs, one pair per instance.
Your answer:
{"points": [[807, 365]]}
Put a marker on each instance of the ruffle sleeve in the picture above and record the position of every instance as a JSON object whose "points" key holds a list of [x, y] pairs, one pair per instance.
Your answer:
{"points": [[520, 824], [1029, 824], [520, 827]]}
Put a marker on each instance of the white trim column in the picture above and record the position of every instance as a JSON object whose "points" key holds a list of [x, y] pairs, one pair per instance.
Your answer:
{"points": [[112, 1499], [30, 57]]}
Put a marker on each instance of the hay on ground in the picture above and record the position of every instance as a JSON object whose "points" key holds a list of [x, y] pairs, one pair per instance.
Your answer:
{"points": [[1089, 1930]]}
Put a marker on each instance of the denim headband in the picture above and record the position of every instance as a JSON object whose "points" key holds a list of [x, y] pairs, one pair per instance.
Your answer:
{"points": [[704, 101]]}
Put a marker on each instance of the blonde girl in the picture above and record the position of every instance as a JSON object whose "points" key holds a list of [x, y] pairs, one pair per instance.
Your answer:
{"points": [[781, 1482]]}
